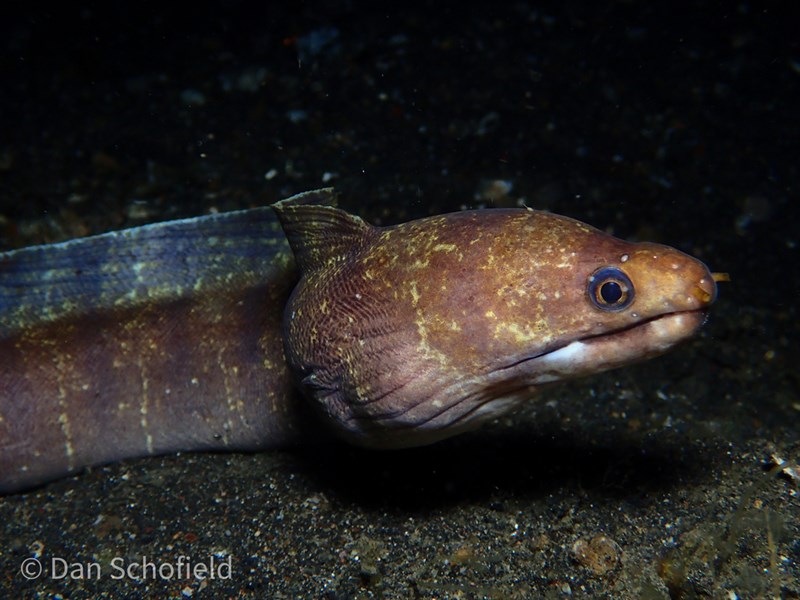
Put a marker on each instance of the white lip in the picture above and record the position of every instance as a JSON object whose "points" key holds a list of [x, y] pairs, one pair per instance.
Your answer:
{"points": [[612, 350]]}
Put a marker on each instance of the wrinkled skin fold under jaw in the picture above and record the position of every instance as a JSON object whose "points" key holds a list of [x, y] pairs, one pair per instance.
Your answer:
{"points": [[453, 407]]}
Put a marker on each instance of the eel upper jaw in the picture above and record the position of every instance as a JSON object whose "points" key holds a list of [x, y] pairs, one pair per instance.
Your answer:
{"points": [[600, 352]]}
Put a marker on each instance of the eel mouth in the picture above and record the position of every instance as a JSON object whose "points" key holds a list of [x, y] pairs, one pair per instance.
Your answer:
{"points": [[672, 328], [611, 349]]}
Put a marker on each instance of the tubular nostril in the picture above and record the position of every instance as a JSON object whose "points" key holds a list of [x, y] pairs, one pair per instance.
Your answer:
{"points": [[702, 294], [705, 290]]}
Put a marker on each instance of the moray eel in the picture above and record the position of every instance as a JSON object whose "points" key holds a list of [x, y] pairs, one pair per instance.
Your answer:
{"points": [[198, 334]]}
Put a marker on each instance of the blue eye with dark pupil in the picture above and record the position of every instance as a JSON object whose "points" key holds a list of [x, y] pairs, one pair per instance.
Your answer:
{"points": [[610, 289]]}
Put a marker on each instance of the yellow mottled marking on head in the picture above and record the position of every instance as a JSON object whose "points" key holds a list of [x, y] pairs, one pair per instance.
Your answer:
{"points": [[424, 347], [524, 334], [363, 391], [414, 292], [567, 260], [448, 249], [490, 314], [420, 264]]}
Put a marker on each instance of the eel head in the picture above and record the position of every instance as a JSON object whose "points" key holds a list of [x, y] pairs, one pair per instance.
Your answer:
{"points": [[408, 334]]}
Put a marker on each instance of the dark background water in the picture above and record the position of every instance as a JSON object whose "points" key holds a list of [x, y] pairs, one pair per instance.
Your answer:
{"points": [[661, 121]]}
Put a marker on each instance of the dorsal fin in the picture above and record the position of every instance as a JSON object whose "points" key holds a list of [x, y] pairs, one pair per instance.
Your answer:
{"points": [[319, 233], [143, 265]]}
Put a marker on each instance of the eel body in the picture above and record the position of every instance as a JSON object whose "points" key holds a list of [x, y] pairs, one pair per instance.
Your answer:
{"points": [[225, 331], [157, 339]]}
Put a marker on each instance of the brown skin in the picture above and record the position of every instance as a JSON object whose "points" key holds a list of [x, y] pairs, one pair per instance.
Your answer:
{"points": [[180, 337], [409, 334]]}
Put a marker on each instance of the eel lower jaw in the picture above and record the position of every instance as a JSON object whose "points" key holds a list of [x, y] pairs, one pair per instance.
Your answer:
{"points": [[463, 406], [594, 354]]}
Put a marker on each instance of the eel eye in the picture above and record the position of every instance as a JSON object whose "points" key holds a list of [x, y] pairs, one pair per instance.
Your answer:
{"points": [[610, 289]]}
